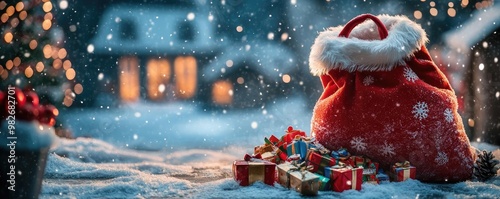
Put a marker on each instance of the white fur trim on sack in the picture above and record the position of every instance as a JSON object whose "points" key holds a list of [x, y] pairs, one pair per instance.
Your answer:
{"points": [[363, 50]]}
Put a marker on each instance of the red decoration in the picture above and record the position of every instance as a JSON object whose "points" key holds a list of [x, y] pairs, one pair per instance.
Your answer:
{"points": [[388, 106], [319, 162], [248, 172], [402, 171], [346, 178], [291, 134], [28, 107]]}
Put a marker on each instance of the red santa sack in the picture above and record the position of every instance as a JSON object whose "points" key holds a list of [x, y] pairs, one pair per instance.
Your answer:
{"points": [[385, 98]]}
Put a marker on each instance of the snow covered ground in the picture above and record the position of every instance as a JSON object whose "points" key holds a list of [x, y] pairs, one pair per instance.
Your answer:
{"points": [[178, 150]]}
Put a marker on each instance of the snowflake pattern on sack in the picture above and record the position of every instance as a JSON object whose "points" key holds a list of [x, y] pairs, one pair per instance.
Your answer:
{"points": [[387, 150], [420, 110], [358, 144], [448, 115], [410, 75], [441, 158], [368, 80]]}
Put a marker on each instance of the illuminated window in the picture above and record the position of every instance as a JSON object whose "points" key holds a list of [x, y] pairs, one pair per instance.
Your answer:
{"points": [[222, 92], [129, 78], [185, 77], [158, 74]]}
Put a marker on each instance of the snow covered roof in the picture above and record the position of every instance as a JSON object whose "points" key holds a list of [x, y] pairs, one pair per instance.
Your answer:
{"points": [[268, 58], [480, 25], [125, 28]]}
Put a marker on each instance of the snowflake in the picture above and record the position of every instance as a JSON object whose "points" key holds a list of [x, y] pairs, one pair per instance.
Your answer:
{"points": [[388, 128], [420, 110], [358, 144], [410, 75], [387, 150], [413, 134], [448, 115], [368, 80], [441, 159]]}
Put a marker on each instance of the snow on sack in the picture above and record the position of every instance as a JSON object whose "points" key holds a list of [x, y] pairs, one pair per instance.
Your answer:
{"points": [[385, 98]]}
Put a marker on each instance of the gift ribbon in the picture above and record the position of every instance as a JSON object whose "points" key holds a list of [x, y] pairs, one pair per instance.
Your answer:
{"points": [[256, 172], [405, 164], [406, 174], [249, 157], [354, 178]]}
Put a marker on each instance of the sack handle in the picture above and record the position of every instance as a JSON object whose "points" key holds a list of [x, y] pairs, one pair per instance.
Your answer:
{"points": [[382, 30]]}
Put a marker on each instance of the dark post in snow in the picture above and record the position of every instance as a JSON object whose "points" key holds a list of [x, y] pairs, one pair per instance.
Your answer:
{"points": [[484, 89]]}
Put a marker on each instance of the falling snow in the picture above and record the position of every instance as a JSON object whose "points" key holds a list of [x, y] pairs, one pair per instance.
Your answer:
{"points": [[448, 115], [420, 110], [358, 143], [368, 80], [410, 75], [441, 158], [387, 150]]}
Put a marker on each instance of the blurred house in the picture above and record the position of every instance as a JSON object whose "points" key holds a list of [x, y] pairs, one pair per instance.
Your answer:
{"points": [[184, 51], [477, 45]]}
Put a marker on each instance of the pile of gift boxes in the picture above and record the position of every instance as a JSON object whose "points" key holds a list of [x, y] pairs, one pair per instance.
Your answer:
{"points": [[300, 163]]}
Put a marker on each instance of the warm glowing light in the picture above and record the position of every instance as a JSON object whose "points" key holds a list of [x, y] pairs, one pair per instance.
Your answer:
{"points": [[33, 44], [46, 24], [229, 63], [240, 80], [8, 37], [68, 101], [185, 69], [62, 53], [129, 78], [23, 15], [14, 22], [432, 3], [28, 72], [4, 17], [2, 5], [66, 64], [417, 14], [158, 74], [239, 28], [48, 16], [464, 3], [286, 78], [452, 12], [10, 10], [222, 92], [9, 64], [78, 88], [284, 36], [57, 64], [47, 51], [17, 61], [434, 12], [47, 6], [39, 66], [451, 4], [63, 4], [70, 74], [19, 6]]}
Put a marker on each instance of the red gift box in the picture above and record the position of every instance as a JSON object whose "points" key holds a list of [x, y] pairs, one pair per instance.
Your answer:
{"points": [[246, 172], [291, 134], [319, 162], [346, 178], [402, 171]]}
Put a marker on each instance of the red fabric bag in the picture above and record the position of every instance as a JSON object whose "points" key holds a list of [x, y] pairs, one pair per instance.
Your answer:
{"points": [[386, 99]]}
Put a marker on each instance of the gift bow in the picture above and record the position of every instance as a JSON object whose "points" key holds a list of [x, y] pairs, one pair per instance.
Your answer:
{"points": [[405, 164], [249, 157], [342, 153]]}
